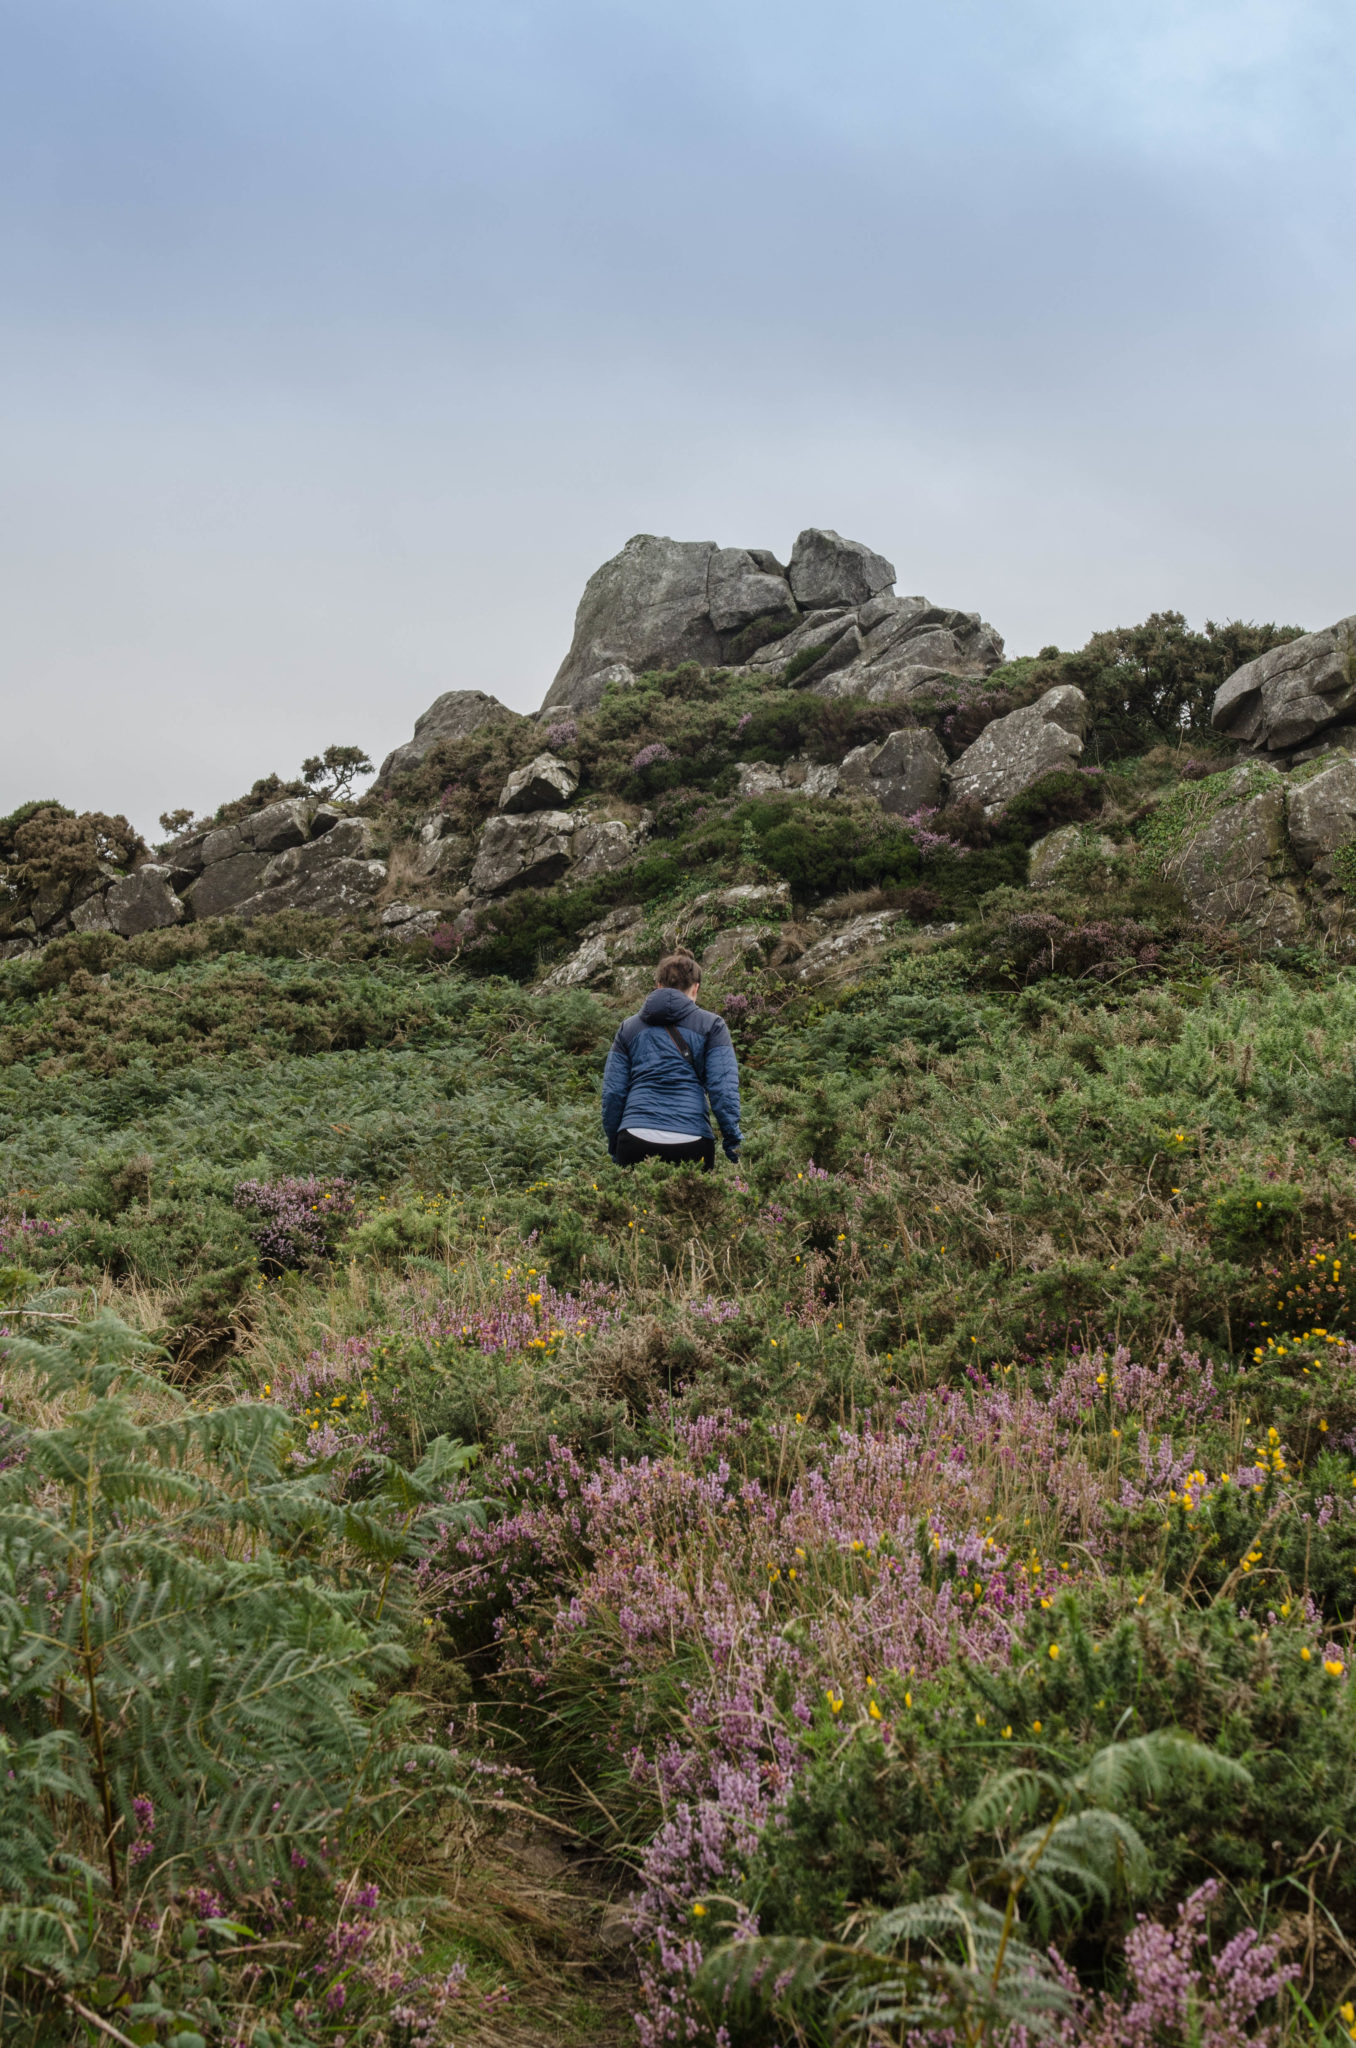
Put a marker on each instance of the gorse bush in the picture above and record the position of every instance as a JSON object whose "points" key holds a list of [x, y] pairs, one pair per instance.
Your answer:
{"points": [[1040, 1848]]}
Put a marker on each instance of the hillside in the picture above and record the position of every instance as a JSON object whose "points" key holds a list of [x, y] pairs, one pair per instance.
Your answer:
{"points": [[452, 1588]]}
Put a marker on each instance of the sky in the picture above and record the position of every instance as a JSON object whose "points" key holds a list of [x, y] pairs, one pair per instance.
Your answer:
{"points": [[340, 340]]}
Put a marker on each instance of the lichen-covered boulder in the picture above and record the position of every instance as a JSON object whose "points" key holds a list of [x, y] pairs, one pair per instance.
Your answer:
{"points": [[1077, 854], [615, 938], [341, 889], [225, 884], [1015, 752], [601, 844], [759, 778], [1320, 809], [797, 778], [522, 851], [545, 784], [1233, 868], [350, 839], [903, 772], [828, 954], [143, 902], [92, 915], [1292, 692], [739, 945], [277, 826]]}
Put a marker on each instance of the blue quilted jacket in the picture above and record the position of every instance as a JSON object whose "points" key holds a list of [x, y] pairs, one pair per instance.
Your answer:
{"points": [[647, 1081]]}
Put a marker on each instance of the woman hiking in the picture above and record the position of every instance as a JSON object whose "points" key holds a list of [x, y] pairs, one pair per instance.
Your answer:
{"points": [[664, 1063]]}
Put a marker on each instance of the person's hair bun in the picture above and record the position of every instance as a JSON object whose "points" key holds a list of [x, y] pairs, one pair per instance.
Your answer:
{"points": [[678, 970]]}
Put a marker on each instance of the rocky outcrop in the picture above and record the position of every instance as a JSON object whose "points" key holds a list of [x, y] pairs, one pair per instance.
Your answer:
{"points": [[331, 877], [886, 650], [904, 772], [544, 784], [296, 854], [293, 855], [1293, 692], [661, 602], [453, 716], [1015, 752]]}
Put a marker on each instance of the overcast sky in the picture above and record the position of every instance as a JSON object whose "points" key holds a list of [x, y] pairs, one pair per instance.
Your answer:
{"points": [[340, 340]]}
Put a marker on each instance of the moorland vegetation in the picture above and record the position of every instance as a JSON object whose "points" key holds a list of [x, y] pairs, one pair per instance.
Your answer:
{"points": [[900, 1587]]}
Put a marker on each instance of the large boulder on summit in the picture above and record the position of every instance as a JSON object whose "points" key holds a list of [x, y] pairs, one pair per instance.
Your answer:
{"points": [[904, 772], [828, 570], [744, 585], [544, 784], [649, 607], [1292, 692], [1015, 752], [453, 716]]}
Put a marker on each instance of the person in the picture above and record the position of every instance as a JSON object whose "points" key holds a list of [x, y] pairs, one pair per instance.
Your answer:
{"points": [[664, 1064]]}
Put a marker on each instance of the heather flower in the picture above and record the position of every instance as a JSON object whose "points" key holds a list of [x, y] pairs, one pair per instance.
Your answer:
{"points": [[917, 824], [143, 1843], [1178, 1991], [301, 1218], [656, 751]]}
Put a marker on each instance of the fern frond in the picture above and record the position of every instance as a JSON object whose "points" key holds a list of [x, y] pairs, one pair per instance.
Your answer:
{"points": [[1146, 1766]]}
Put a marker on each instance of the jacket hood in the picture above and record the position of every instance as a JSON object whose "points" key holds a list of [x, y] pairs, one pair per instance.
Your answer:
{"points": [[666, 1006]]}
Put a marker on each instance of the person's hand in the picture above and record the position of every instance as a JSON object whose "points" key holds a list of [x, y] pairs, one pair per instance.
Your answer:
{"points": [[732, 1154]]}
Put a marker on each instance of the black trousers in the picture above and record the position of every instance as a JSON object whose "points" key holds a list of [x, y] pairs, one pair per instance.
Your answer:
{"points": [[630, 1149]]}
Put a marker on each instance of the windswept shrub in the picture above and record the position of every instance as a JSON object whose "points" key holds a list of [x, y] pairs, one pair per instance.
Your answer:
{"points": [[1152, 682]]}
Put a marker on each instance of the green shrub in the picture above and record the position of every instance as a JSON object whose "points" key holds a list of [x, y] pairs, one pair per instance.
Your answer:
{"points": [[1253, 1213]]}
